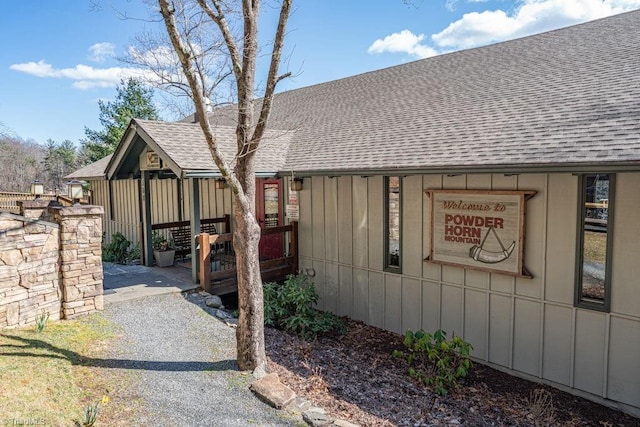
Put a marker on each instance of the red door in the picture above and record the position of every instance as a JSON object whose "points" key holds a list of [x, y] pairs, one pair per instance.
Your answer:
{"points": [[269, 214]]}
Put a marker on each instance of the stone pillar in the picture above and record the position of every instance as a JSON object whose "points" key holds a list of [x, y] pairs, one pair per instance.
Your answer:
{"points": [[37, 209], [80, 258]]}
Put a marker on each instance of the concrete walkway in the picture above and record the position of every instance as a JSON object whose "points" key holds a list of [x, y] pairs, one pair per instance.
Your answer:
{"points": [[129, 282]]}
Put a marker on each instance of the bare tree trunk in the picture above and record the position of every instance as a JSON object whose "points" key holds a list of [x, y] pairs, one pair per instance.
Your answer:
{"points": [[250, 331]]}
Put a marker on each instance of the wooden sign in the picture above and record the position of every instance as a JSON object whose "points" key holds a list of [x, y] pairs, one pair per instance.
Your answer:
{"points": [[482, 230]]}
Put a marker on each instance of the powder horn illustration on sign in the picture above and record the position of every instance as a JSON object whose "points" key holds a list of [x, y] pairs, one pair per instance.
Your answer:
{"points": [[478, 253]]}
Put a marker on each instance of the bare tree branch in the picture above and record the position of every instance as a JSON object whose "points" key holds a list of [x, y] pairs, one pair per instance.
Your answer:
{"points": [[220, 19], [272, 78], [186, 60]]}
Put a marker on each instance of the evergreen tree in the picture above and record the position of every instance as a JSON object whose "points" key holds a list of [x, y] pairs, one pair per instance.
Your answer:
{"points": [[133, 101], [59, 161]]}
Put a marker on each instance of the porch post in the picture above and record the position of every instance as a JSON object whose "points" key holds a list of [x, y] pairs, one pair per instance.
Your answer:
{"points": [[194, 210], [180, 199], [147, 234], [204, 261]]}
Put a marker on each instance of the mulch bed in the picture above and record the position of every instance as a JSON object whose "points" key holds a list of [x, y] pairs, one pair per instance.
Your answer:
{"points": [[354, 377]]}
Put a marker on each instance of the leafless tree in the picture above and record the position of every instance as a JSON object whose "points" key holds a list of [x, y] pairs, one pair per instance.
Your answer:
{"points": [[153, 52], [21, 162], [242, 52]]}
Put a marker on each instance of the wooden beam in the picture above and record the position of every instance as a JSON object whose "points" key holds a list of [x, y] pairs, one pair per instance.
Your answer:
{"points": [[180, 199], [194, 208], [202, 240], [275, 230], [220, 238], [145, 195], [227, 223]]}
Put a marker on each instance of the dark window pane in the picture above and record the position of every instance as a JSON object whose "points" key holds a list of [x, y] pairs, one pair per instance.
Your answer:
{"points": [[393, 221], [594, 237]]}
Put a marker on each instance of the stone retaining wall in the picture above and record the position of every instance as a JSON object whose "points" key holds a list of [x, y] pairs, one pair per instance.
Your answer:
{"points": [[52, 266], [29, 277]]}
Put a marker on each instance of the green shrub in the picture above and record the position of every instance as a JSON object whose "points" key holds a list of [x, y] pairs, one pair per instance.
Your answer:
{"points": [[436, 361], [290, 306], [120, 250]]}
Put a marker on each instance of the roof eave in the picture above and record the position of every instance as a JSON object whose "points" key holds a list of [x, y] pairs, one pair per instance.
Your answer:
{"points": [[211, 173], [513, 169], [87, 178]]}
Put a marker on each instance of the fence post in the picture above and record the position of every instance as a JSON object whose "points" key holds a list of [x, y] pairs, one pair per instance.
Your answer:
{"points": [[202, 240], [293, 244]]}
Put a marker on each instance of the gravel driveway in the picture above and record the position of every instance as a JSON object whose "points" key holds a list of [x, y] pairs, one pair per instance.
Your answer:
{"points": [[184, 359]]}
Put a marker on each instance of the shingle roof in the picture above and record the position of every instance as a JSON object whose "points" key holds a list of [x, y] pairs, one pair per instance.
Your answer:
{"points": [[565, 97], [185, 144], [92, 170]]}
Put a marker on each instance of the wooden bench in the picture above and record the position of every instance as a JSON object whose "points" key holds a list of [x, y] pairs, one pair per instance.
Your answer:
{"points": [[180, 232], [181, 240]]}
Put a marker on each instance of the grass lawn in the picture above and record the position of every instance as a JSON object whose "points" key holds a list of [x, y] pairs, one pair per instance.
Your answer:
{"points": [[49, 378]]}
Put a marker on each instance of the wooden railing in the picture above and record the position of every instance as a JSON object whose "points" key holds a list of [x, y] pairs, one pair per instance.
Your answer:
{"points": [[218, 274], [9, 200]]}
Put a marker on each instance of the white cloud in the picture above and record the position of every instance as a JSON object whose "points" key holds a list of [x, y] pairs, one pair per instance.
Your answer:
{"points": [[530, 17], [101, 51], [84, 76], [491, 26], [160, 57], [38, 69], [403, 42]]}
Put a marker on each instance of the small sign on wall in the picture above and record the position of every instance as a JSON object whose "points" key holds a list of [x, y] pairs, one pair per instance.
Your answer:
{"points": [[482, 230], [293, 212], [293, 208]]}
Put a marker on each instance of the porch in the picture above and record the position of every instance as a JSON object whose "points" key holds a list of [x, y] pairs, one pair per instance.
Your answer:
{"points": [[215, 259], [278, 251]]}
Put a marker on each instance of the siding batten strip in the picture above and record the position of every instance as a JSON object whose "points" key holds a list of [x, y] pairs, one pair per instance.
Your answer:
{"points": [[607, 346], [543, 274], [512, 323], [463, 302], [423, 255], [352, 308], [573, 347], [487, 329]]}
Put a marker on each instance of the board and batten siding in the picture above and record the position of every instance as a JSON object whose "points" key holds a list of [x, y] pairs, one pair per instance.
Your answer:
{"points": [[121, 207], [527, 326], [168, 204]]}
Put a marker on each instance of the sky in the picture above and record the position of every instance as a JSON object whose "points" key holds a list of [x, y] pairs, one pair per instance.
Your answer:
{"points": [[59, 57]]}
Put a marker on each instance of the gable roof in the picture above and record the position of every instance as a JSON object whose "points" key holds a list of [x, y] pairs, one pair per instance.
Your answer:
{"points": [[183, 149], [192, 152]]}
